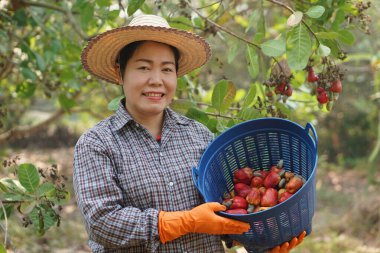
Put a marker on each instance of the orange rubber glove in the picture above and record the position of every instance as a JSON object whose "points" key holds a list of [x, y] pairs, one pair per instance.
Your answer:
{"points": [[288, 246], [201, 219]]}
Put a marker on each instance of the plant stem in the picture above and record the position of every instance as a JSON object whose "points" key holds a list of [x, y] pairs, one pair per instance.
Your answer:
{"points": [[229, 32], [292, 11], [221, 27], [223, 116], [43, 5], [6, 224], [69, 14]]}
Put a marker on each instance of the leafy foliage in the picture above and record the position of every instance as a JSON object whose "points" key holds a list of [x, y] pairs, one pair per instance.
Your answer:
{"points": [[41, 44], [262, 53], [36, 194]]}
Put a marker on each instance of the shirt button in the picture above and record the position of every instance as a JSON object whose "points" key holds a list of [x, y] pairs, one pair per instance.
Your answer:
{"points": [[161, 154], [171, 183]]}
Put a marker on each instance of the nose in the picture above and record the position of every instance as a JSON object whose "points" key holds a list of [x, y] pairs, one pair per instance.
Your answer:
{"points": [[155, 78]]}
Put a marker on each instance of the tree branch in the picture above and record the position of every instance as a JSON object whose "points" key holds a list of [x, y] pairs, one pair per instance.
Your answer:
{"points": [[223, 116], [44, 5], [292, 11], [69, 14], [221, 27], [228, 31], [23, 131]]}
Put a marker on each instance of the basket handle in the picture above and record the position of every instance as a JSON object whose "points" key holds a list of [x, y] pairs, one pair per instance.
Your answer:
{"points": [[311, 127], [194, 174]]}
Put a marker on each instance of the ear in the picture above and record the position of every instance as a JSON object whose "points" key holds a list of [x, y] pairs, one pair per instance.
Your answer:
{"points": [[118, 74]]}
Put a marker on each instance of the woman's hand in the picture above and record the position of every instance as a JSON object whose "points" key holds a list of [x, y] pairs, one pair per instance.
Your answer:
{"points": [[288, 246]]}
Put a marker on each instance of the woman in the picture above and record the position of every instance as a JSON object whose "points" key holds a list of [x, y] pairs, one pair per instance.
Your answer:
{"points": [[132, 171]]}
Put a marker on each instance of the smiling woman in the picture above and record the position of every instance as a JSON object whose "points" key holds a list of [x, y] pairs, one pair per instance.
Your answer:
{"points": [[149, 83], [143, 199]]}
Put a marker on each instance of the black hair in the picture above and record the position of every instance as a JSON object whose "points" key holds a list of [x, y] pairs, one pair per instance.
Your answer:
{"points": [[127, 51]]}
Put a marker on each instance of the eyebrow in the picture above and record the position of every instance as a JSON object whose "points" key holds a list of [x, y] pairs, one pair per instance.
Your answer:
{"points": [[150, 61]]}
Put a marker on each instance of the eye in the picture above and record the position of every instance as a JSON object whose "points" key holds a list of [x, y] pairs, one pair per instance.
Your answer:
{"points": [[168, 69], [143, 68]]}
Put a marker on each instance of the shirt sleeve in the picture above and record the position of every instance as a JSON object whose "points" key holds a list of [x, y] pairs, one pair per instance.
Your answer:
{"points": [[108, 220]]}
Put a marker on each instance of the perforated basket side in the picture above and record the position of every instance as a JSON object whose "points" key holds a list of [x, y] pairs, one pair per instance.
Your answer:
{"points": [[259, 144]]}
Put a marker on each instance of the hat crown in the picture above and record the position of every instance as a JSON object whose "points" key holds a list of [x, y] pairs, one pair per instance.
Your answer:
{"points": [[149, 20]]}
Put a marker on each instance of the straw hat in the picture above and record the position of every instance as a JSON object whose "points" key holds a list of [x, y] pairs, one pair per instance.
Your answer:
{"points": [[100, 55]]}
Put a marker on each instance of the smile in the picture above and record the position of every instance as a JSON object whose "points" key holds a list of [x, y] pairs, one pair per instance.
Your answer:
{"points": [[151, 94]]}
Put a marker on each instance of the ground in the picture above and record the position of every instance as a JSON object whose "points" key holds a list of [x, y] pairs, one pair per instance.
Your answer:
{"points": [[347, 217]]}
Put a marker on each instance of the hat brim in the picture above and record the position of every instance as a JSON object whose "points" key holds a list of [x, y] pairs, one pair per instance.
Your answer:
{"points": [[100, 55]]}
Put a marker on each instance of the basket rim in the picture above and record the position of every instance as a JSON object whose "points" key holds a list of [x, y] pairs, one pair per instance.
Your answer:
{"points": [[220, 144]]}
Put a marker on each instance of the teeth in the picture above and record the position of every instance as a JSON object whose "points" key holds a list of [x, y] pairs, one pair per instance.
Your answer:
{"points": [[153, 94]]}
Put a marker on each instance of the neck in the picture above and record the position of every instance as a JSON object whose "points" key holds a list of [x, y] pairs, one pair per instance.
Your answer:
{"points": [[153, 123]]}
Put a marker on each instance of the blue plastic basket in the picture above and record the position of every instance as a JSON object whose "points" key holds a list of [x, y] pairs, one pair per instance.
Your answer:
{"points": [[259, 144]]}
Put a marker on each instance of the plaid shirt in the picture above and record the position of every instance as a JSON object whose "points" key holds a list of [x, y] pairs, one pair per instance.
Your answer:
{"points": [[123, 177]]}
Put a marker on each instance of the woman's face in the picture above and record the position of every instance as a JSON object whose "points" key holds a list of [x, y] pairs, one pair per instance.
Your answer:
{"points": [[150, 79]]}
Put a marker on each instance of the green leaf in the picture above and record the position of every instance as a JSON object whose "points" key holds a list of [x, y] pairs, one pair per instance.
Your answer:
{"points": [[233, 50], [333, 45], [221, 126], [252, 61], [324, 50], [231, 123], [340, 17], [65, 197], [145, 8], [27, 73], [28, 176], [299, 47], [133, 6], [25, 90], [87, 14], [346, 37], [315, 11], [2, 248], [211, 125], [283, 108], [249, 113], [41, 65], [43, 217], [103, 3], [46, 189], [273, 48], [8, 211], [181, 105], [252, 20], [114, 104], [198, 115], [112, 15], [260, 27], [181, 84], [295, 19], [11, 185], [223, 95], [27, 206], [66, 102], [13, 196], [250, 97], [21, 17], [56, 46], [327, 35], [181, 22], [198, 22]]}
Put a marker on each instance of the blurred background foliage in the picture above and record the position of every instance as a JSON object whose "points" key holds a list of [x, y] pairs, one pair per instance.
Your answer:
{"points": [[47, 100]]}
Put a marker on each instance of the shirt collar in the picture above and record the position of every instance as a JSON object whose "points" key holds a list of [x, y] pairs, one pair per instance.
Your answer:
{"points": [[122, 117]]}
